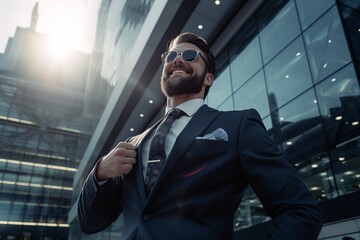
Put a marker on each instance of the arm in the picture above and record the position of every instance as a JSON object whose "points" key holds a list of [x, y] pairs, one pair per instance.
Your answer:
{"points": [[280, 189], [100, 204]]}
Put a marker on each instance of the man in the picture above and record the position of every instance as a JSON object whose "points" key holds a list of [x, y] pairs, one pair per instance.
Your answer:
{"points": [[211, 157]]}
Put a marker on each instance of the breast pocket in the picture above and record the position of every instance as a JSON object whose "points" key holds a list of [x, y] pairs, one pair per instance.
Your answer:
{"points": [[200, 155], [210, 145]]}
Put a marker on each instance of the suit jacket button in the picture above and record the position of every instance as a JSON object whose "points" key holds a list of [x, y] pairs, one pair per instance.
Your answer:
{"points": [[146, 217]]}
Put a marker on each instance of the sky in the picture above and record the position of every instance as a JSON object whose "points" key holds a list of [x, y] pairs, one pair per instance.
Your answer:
{"points": [[71, 23]]}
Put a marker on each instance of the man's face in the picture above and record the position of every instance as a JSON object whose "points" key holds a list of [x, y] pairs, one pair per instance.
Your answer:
{"points": [[182, 77]]}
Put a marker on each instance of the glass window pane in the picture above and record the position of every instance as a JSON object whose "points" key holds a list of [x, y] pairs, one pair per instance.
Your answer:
{"points": [[326, 46], [273, 38], [246, 64], [347, 166], [228, 105], [310, 10], [268, 124], [351, 19], [288, 74], [339, 100], [253, 95], [220, 90], [298, 124], [297, 120]]}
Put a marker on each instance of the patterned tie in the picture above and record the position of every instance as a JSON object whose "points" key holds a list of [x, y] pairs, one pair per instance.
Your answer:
{"points": [[157, 153]]}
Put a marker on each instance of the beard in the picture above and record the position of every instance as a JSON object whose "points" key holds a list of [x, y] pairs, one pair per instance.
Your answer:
{"points": [[172, 86]]}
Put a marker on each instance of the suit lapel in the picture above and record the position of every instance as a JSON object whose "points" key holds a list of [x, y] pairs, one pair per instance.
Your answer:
{"points": [[200, 121]]}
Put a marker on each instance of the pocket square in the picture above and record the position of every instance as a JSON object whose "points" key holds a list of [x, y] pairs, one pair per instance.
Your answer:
{"points": [[219, 135]]}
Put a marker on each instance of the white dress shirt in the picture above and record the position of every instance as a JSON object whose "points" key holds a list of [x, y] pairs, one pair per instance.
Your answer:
{"points": [[189, 108]]}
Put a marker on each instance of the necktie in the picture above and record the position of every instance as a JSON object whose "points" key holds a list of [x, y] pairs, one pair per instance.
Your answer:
{"points": [[157, 153]]}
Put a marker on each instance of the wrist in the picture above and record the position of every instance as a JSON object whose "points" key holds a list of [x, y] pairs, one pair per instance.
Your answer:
{"points": [[99, 174]]}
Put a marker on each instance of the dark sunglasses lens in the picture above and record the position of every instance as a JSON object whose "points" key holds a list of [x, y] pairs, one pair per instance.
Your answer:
{"points": [[171, 55], [189, 55]]}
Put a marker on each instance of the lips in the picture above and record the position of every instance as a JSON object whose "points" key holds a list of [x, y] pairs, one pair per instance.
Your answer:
{"points": [[180, 71]]}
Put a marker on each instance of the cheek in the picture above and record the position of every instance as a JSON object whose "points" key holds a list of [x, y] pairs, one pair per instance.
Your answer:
{"points": [[198, 70], [165, 70]]}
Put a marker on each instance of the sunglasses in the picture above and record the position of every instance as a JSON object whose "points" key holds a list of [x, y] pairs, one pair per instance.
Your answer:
{"points": [[188, 55]]}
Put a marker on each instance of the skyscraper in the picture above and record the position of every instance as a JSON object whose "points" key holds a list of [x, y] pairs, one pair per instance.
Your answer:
{"points": [[43, 134]]}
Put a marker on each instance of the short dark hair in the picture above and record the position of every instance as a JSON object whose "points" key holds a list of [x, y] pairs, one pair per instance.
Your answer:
{"points": [[201, 43]]}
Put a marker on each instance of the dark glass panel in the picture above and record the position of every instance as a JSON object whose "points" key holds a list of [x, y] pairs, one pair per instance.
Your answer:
{"points": [[350, 11], [228, 105], [326, 45], [272, 37], [220, 90], [287, 75], [253, 95], [339, 101], [310, 10], [246, 63]]}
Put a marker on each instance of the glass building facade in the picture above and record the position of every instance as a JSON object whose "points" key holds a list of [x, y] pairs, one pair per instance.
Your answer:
{"points": [[298, 66], [44, 130]]}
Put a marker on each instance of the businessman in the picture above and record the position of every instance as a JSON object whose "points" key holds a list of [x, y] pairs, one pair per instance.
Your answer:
{"points": [[184, 178]]}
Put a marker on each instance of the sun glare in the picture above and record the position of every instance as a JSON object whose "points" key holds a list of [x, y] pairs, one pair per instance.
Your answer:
{"points": [[61, 41], [58, 47], [64, 25]]}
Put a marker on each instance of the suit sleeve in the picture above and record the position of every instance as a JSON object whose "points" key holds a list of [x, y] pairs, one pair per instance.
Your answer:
{"points": [[99, 205], [283, 194]]}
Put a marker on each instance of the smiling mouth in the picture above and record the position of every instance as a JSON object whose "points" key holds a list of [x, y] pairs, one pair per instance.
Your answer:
{"points": [[178, 71]]}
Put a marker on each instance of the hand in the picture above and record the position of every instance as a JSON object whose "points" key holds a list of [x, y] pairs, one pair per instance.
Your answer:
{"points": [[119, 161]]}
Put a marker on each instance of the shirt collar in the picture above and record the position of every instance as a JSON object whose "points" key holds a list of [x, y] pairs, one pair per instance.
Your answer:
{"points": [[189, 107]]}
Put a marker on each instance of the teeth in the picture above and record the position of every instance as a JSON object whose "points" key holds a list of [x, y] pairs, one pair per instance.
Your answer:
{"points": [[179, 71]]}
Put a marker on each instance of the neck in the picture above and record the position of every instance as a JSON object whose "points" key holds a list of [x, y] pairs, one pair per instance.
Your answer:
{"points": [[179, 99]]}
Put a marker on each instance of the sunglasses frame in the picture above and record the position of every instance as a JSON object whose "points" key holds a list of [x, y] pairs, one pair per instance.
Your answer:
{"points": [[198, 53]]}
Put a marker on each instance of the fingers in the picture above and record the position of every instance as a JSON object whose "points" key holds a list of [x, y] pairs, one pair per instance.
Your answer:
{"points": [[125, 145], [119, 161], [126, 168], [126, 151]]}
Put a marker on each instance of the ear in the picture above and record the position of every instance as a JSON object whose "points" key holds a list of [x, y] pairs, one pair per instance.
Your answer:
{"points": [[209, 79]]}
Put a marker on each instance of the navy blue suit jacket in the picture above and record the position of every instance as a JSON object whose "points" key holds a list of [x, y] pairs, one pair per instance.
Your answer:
{"points": [[202, 184]]}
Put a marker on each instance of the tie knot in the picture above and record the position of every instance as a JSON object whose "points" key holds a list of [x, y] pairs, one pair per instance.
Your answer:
{"points": [[175, 113]]}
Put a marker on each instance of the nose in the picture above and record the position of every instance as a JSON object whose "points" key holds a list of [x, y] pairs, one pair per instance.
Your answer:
{"points": [[178, 58]]}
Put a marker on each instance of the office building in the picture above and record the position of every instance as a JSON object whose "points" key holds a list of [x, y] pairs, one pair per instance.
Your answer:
{"points": [[44, 129]]}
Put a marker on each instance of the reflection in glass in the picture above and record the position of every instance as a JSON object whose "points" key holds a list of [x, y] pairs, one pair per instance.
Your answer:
{"points": [[253, 95], [250, 211], [351, 20], [272, 37], [288, 74], [124, 23], [310, 10], [339, 100], [326, 46], [246, 64], [301, 138], [220, 90], [228, 105], [347, 166]]}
